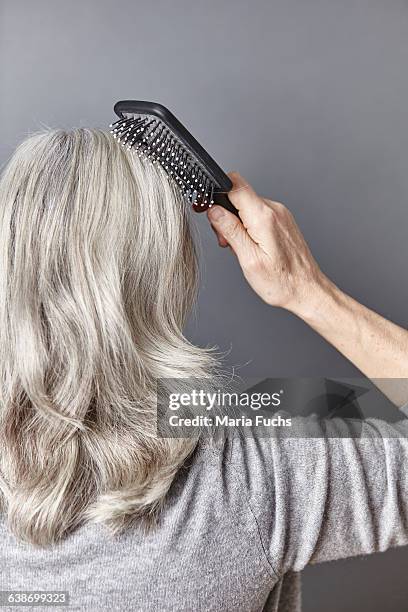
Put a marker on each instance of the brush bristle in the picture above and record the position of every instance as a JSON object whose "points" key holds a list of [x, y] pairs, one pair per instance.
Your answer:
{"points": [[152, 139]]}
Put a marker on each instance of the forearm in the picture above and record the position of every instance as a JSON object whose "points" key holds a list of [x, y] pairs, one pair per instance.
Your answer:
{"points": [[376, 346]]}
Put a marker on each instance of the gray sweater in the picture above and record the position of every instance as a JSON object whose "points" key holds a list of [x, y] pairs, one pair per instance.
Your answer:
{"points": [[240, 523]]}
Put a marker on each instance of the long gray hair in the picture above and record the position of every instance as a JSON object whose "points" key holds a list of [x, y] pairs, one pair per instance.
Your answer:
{"points": [[98, 271]]}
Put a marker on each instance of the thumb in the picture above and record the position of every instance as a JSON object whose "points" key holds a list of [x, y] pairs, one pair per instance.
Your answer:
{"points": [[231, 229]]}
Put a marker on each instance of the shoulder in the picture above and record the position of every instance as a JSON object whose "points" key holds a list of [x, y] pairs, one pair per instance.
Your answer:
{"points": [[242, 467]]}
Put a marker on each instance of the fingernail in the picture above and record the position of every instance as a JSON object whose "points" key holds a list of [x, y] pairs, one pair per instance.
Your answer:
{"points": [[216, 212]]}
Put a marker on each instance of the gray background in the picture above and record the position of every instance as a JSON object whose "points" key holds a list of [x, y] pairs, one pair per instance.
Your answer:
{"points": [[309, 100]]}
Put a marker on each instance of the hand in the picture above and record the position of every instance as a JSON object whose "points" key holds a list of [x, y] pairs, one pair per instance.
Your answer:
{"points": [[270, 248]]}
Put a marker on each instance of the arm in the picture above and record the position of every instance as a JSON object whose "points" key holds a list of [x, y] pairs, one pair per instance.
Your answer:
{"points": [[329, 496], [279, 266], [336, 492], [376, 346]]}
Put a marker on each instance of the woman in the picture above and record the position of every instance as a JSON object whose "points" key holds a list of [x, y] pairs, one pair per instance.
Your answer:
{"points": [[97, 275]]}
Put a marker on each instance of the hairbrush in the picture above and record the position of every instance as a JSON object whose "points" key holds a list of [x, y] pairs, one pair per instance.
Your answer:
{"points": [[157, 135]]}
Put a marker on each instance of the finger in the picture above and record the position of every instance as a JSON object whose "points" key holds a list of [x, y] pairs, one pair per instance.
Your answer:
{"points": [[221, 240], [232, 230], [244, 197]]}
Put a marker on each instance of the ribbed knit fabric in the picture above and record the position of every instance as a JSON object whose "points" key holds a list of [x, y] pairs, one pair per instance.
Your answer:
{"points": [[240, 522]]}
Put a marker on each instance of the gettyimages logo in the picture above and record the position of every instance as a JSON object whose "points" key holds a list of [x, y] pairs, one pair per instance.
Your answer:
{"points": [[209, 400]]}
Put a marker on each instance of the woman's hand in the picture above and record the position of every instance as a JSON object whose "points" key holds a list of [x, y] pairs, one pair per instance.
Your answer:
{"points": [[279, 266], [270, 248]]}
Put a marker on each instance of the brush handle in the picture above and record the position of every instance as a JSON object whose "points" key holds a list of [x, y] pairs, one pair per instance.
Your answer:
{"points": [[222, 200]]}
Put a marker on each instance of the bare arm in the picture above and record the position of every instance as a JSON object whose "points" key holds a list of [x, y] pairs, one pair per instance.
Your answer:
{"points": [[279, 266], [376, 346]]}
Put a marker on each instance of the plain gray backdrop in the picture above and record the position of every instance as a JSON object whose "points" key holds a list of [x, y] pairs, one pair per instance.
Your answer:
{"points": [[308, 99]]}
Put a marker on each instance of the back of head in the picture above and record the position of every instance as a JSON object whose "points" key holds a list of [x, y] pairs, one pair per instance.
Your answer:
{"points": [[97, 274]]}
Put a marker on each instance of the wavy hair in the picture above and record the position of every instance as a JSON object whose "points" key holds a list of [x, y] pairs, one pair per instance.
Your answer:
{"points": [[98, 271]]}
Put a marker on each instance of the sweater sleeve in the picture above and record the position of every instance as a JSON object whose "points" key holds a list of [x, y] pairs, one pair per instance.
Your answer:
{"points": [[326, 497]]}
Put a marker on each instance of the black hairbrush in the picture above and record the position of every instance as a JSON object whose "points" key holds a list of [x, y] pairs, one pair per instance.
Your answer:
{"points": [[155, 133]]}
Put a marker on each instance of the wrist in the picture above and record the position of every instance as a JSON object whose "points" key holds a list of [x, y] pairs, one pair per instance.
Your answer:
{"points": [[320, 303]]}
